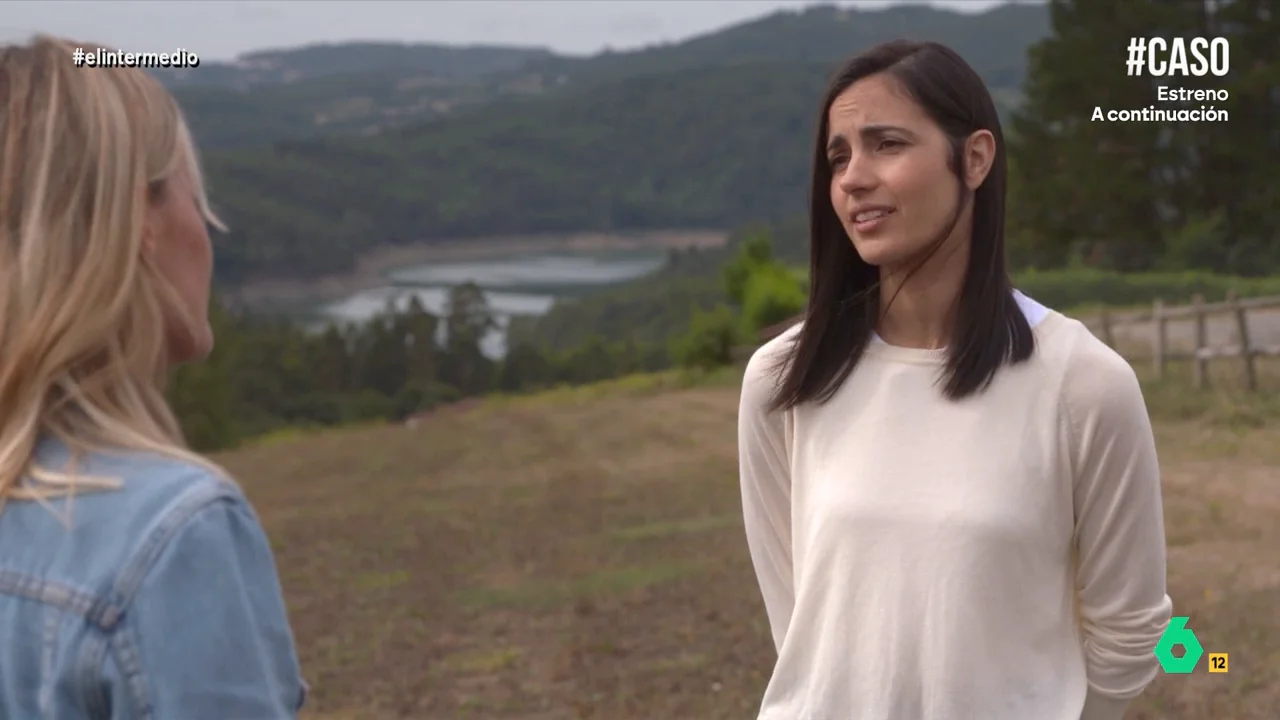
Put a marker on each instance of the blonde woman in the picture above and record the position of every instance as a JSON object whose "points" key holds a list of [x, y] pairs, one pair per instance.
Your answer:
{"points": [[135, 579]]}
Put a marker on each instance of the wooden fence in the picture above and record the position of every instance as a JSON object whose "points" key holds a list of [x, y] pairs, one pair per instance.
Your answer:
{"points": [[1110, 326], [1236, 314]]}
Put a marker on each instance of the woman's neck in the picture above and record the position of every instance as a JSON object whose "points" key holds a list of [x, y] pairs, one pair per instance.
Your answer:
{"points": [[919, 311]]}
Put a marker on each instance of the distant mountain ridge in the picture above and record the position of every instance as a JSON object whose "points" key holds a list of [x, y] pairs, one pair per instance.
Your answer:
{"points": [[324, 60], [363, 88], [823, 33]]}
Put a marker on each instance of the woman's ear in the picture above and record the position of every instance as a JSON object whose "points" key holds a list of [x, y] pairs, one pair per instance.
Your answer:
{"points": [[979, 154]]}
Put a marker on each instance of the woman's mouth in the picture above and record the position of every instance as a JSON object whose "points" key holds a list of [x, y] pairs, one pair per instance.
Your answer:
{"points": [[869, 220]]}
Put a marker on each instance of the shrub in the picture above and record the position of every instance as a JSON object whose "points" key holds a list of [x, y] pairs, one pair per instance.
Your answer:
{"points": [[709, 342], [773, 294]]}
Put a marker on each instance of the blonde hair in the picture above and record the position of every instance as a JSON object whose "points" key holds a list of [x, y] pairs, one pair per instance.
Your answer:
{"points": [[83, 352]]}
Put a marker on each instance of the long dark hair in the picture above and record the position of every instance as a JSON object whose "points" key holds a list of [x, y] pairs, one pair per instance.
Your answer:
{"points": [[844, 298]]}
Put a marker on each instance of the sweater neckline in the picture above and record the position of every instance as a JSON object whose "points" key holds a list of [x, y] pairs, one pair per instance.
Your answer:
{"points": [[938, 356]]}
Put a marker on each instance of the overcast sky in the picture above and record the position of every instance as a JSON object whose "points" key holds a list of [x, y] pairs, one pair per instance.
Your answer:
{"points": [[222, 29]]}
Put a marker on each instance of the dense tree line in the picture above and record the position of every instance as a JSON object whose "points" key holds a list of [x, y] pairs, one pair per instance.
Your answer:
{"points": [[1149, 195], [266, 373]]}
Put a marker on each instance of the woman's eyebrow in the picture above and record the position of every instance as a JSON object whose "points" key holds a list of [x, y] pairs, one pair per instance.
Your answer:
{"points": [[868, 132], [876, 131]]}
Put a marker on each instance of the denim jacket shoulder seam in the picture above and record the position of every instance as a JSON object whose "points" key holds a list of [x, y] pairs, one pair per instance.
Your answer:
{"points": [[111, 606], [109, 609]]}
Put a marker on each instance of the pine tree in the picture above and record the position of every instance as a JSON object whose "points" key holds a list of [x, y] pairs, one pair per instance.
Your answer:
{"points": [[1086, 187]]}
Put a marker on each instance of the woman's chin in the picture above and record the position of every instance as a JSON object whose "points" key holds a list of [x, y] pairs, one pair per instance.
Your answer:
{"points": [[879, 252], [191, 347]]}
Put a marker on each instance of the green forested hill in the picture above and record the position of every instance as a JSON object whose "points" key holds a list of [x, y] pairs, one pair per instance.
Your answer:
{"points": [[364, 88], [710, 147], [312, 166], [245, 110], [706, 148]]}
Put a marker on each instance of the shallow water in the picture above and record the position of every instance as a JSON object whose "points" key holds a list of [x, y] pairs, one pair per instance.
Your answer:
{"points": [[522, 285]]}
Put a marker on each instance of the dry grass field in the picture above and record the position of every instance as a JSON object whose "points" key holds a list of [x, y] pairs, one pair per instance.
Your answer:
{"points": [[580, 555]]}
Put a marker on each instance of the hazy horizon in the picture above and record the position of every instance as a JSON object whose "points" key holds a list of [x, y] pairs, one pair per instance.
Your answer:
{"points": [[221, 30]]}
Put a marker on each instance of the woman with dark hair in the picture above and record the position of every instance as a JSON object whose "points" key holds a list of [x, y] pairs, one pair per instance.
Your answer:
{"points": [[951, 492]]}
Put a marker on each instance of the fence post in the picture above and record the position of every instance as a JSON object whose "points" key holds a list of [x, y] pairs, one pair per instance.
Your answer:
{"points": [[1104, 319], [1201, 361], [1158, 338], [1246, 349]]}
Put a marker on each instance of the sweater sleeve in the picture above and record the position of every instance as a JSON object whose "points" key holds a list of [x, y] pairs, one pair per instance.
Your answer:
{"points": [[1119, 529], [764, 469]]}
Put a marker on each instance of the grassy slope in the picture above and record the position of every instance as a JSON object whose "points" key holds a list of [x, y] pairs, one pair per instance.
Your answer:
{"points": [[579, 554]]}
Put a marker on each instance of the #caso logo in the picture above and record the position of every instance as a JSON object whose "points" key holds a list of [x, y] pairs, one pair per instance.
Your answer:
{"points": [[1179, 634]]}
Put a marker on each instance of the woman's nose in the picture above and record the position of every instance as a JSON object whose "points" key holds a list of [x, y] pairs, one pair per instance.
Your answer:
{"points": [[856, 176]]}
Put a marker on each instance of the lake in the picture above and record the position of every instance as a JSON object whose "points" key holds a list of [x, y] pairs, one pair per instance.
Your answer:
{"points": [[526, 284]]}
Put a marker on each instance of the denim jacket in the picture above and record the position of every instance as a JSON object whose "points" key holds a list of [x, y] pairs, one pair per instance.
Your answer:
{"points": [[158, 600]]}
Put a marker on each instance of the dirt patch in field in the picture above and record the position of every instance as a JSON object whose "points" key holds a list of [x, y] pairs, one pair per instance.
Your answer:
{"points": [[584, 558]]}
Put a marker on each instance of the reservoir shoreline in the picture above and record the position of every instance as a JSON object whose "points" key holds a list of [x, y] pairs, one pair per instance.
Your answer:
{"points": [[373, 268]]}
